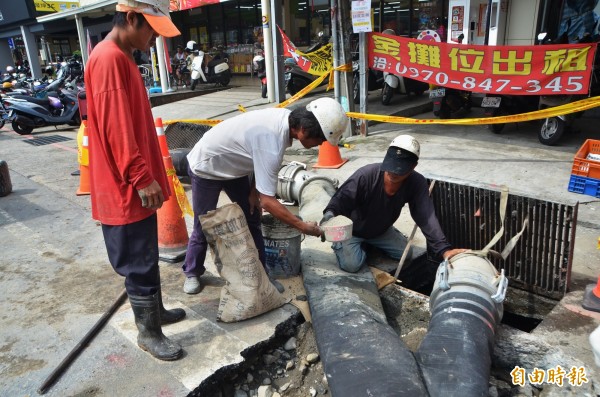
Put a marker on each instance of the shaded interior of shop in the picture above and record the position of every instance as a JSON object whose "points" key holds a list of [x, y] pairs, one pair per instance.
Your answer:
{"points": [[236, 24]]}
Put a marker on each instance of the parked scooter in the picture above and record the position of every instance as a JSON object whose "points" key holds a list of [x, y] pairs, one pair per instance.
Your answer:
{"points": [[297, 78], [450, 102], [504, 105], [374, 79], [399, 84], [261, 72], [217, 71], [553, 128], [30, 113]]}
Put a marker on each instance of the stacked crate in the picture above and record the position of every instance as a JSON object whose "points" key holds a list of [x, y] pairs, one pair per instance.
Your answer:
{"points": [[585, 174]]}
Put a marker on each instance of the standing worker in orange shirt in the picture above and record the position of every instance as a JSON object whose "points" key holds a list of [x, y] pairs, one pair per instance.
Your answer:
{"points": [[127, 177]]}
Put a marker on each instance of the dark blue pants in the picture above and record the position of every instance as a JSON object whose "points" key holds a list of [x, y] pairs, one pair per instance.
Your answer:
{"points": [[133, 253], [205, 195]]}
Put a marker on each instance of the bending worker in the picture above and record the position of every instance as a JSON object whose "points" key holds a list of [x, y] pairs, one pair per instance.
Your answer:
{"points": [[373, 198], [242, 156]]}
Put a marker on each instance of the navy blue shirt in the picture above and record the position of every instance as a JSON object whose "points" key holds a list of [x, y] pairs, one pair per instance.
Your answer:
{"points": [[362, 198]]}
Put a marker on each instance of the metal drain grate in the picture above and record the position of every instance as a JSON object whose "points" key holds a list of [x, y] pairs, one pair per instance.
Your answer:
{"points": [[540, 262], [184, 135], [46, 140]]}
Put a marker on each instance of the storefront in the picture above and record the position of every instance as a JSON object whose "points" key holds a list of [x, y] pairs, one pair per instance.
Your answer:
{"points": [[409, 18], [236, 24]]}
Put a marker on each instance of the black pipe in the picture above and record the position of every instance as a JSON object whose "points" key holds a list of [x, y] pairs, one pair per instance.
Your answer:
{"points": [[361, 353], [456, 354], [64, 364]]}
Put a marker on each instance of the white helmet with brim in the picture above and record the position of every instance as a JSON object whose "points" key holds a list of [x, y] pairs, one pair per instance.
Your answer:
{"points": [[331, 117], [402, 155]]}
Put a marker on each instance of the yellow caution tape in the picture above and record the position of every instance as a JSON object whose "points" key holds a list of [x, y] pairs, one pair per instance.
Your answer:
{"points": [[182, 199], [194, 121], [573, 107], [315, 84]]}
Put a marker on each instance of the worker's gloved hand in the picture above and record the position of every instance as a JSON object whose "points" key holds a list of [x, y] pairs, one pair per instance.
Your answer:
{"points": [[327, 216]]}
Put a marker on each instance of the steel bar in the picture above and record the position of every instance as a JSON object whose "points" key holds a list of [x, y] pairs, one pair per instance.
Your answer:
{"points": [[82, 344]]}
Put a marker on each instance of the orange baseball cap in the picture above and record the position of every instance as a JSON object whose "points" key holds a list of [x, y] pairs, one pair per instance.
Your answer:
{"points": [[156, 13]]}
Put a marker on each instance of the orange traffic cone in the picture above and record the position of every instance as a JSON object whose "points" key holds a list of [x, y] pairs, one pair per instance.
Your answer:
{"points": [[329, 156], [172, 232], [83, 157], [162, 139], [591, 298]]}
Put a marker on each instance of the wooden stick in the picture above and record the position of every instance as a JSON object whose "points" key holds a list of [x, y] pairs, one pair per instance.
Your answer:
{"points": [[410, 240]]}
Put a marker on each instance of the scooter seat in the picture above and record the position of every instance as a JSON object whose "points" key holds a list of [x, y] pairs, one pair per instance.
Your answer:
{"points": [[39, 101]]}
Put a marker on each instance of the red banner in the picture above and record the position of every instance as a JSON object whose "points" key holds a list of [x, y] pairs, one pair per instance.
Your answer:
{"points": [[514, 70], [317, 62], [178, 5]]}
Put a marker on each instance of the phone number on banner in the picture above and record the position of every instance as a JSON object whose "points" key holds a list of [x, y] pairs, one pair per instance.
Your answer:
{"points": [[559, 84]]}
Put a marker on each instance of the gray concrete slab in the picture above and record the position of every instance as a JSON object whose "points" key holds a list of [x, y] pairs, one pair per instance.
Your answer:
{"points": [[56, 281]]}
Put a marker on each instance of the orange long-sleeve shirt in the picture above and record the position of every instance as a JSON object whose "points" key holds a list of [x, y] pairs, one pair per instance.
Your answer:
{"points": [[124, 151]]}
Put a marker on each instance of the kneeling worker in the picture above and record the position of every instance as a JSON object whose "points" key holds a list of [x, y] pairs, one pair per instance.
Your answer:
{"points": [[373, 198]]}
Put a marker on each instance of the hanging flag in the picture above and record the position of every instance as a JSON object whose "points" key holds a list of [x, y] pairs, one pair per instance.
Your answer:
{"points": [[318, 62], [89, 43]]}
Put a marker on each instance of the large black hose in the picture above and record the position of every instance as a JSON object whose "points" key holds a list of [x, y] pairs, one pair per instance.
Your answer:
{"points": [[361, 353], [456, 354]]}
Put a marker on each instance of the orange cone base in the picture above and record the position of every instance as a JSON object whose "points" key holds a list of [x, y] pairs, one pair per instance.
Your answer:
{"points": [[172, 232], [84, 180], [590, 300], [172, 255], [329, 157]]}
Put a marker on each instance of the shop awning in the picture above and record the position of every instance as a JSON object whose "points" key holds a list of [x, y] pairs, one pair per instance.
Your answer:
{"points": [[97, 9]]}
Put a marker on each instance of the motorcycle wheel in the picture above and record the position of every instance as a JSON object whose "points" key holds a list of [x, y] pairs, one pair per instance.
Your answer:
{"points": [[263, 90], [75, 121], [551, 131], [225, 80], [2, 122], [356, 89], [444, 112], [497, 128], [292, 89], [387, 93], [21, 129], [193, 86]]}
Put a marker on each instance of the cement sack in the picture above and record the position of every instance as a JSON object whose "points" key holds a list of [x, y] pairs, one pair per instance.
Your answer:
{"points": [[247, 292]]}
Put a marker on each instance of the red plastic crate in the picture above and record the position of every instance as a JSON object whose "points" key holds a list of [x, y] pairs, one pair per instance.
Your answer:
{"points": [[583, 166]]}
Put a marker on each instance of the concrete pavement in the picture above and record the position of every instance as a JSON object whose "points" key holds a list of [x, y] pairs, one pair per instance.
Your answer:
{"points": [[56, 281]]}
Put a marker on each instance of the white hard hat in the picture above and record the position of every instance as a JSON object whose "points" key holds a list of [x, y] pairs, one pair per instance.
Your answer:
{"points": [[402, 155], [331, 117], [10, 69], [191, 45], [407, 142]]}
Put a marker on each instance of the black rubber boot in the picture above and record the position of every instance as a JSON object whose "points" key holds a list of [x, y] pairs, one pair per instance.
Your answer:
{"points": [[169, 316], [150, 337]]}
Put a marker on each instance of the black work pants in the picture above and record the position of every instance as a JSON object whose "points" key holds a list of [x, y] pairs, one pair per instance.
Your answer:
{"points": [[133, 253]]}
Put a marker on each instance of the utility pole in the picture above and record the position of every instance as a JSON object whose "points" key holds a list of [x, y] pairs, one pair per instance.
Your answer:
{"points": [[268, 48], [344, 36]]}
